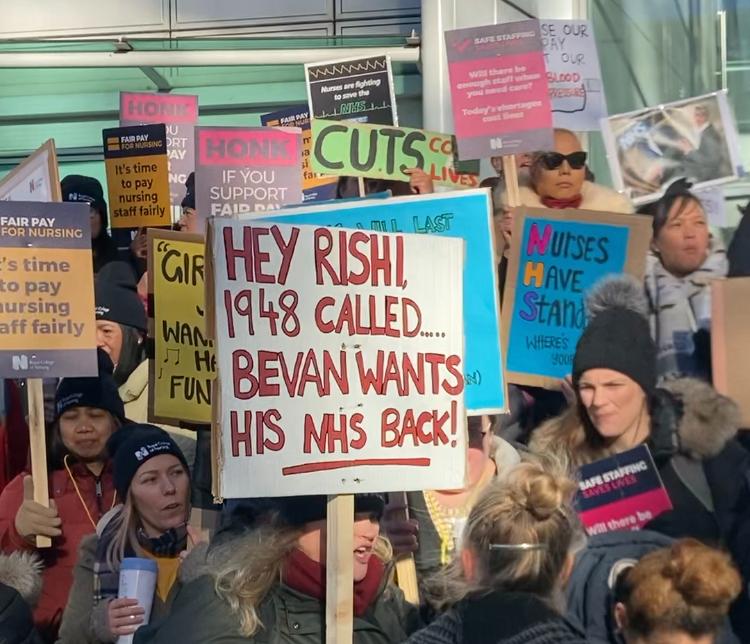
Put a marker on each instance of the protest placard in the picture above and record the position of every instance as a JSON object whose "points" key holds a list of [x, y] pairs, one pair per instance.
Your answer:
{"points": [[135, 158], [35, 179], [557, 256], [467, 215], [47, 327], [384, 152], [573, 74], [499, 92], [730, 341], [358, 89], [340, 359], [648, 149], [314, 188], [182, 365], [622, 492], [246, 169], [179, 113]]}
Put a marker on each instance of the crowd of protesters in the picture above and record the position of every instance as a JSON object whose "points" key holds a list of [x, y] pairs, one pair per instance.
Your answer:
{"points": [[505, 559]]}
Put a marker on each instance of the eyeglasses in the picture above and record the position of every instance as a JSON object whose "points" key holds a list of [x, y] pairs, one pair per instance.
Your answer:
{"points": [[553, 160]]}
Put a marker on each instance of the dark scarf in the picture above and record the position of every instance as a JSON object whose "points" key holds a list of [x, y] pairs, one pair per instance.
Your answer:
{"points": [[308, 577], [560, 204], [106, 579]]}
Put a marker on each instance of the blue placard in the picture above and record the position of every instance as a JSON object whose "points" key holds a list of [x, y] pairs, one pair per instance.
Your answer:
{"points": [[559, 262], [467, 215]]}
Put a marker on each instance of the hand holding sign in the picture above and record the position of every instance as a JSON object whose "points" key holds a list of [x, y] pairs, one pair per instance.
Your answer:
{"points": [[33, 519]]}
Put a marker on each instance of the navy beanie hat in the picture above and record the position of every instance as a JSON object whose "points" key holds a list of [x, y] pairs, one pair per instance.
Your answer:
{"points": [[116, 296], [99, 392], [76, 187], [134, 445]]}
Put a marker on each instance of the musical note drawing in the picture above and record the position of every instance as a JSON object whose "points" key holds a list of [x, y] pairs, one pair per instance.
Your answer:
{"points": [[169, 351]]}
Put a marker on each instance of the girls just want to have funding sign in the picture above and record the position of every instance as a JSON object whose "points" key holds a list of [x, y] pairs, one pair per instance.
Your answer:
{"points": [[558, 256], [340, 359]]}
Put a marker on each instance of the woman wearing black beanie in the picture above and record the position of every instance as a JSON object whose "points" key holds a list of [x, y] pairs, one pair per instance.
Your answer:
{"points": [[689, 427], [81, 488], [153, 484]]}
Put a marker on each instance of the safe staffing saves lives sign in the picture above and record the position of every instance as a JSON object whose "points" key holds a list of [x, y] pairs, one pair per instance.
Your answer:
{"points": [[339, 359]]}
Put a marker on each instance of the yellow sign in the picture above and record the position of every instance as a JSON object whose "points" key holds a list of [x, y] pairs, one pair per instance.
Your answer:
{"points": [[182, 362], [137, 176]]}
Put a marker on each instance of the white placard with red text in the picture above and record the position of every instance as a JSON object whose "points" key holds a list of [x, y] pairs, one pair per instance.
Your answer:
{"points": [[340, 359]]}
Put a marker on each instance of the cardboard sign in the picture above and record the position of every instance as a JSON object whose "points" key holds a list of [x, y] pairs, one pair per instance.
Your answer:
{"points": [[466, 215], [499, 92], [623, 492], [246, 169], [137, 176], [573, 74], [730, 345], [357, 89], [47, 326], [557, 256], [182, 366], [384, 152], [315, 188], [35, 179], [180, 114], [696, 138], [340, 359]]}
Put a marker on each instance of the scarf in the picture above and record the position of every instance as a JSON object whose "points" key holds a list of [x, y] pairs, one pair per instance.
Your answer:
{"points": [[680, 314], [560, 204], [308, 577], [107, 579]]}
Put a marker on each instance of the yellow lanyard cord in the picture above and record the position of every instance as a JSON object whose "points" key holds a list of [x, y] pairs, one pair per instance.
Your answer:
{"points": [[80, 496]]}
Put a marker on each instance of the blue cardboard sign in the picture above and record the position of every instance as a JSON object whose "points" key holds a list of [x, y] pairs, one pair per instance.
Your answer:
{"points": [[558, 257], [467, 215]]}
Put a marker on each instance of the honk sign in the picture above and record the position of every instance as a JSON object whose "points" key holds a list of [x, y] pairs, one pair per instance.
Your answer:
{"points": [[247, 169]]}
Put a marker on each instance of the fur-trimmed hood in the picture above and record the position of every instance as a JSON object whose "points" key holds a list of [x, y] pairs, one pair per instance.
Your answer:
{"points": [[22, 571], [704, 419]]}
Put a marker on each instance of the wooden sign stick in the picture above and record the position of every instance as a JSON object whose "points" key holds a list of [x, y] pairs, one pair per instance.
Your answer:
{"points": [[406, 568], [340, 569], [510, 173], [38, 449]]}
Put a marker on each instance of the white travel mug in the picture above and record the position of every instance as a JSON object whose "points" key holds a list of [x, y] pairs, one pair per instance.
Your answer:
{"points": [[137, 581]]}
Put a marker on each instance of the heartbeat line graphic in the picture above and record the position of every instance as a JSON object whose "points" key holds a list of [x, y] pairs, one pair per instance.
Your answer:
{"points": [[368, 65]]}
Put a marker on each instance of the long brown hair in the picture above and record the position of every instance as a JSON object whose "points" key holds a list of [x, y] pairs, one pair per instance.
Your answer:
{"points": [[245, 569]]}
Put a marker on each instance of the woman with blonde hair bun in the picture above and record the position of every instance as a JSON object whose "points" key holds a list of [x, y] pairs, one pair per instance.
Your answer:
{"points": [[677, 595], [516, 554]]}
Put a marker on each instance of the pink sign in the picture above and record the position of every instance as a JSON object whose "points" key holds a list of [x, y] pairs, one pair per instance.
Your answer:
{"points": [[499, 90]]}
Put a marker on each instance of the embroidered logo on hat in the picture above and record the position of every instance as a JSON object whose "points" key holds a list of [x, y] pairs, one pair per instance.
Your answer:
{"points": [[141, 453], [70, 400], [78, 196]]}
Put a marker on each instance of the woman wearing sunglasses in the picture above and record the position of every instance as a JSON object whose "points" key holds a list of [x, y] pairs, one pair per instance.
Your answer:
{"points": [[558, 180]]}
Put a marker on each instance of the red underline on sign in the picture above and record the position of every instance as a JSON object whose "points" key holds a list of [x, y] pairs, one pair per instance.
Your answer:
{"points": [[322, 466]]}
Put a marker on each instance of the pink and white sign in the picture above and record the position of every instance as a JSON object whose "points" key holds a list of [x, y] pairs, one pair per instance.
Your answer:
{"points": [[499, 91]]}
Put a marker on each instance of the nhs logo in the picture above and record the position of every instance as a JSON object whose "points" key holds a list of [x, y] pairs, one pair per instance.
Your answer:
{"points": [[20, 363]]}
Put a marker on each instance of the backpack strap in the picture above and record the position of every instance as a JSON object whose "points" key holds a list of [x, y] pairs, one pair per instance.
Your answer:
{"points": [[693, 477]]}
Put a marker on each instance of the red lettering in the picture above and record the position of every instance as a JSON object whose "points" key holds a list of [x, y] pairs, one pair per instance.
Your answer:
{"points": [[323, 246], [243, 373]]}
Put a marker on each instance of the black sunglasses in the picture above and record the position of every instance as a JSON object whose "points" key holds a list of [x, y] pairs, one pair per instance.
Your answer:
{"points": [[553, 160]]}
